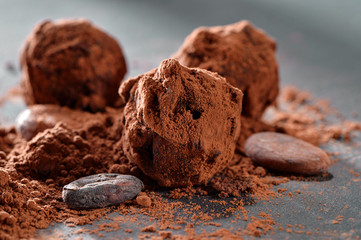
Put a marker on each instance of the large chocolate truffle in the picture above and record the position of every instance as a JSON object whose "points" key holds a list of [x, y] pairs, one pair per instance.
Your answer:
{"points": [[181, 124], [241, 53], [72, 63]]}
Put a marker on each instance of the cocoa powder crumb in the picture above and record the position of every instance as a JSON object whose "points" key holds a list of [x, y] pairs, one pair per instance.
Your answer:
{"points": [[165, 234], [281, 190], [144, 200], [150, 228]]}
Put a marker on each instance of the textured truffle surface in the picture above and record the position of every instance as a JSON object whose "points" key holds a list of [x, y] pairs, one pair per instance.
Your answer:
{"points": [[181, 124], [72, 63], [241, 53]]}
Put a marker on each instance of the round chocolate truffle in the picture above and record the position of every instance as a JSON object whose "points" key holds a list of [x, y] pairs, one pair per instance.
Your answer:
{"points": [[243, 54], [72, 63], [181, 124]]}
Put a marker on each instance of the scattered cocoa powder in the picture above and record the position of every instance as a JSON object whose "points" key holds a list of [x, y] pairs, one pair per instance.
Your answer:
{"points": [[244, 177], [304, 117], [31, 196], [188, 192], [260, 226]]}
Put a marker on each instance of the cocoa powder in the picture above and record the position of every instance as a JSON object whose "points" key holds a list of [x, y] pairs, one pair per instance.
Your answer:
{"points": [[307, 118]]}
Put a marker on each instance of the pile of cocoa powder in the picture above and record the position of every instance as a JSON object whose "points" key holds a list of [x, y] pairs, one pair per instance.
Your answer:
{"points": [[32, 173]]}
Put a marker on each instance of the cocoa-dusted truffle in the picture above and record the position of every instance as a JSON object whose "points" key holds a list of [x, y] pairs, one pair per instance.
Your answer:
{"points": [[181, 124], [241, 53], [72, 63]]}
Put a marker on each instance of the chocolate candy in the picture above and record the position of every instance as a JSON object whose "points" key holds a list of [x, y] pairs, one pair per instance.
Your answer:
{"points": [[71, 62], [243, 54], [180, 124], [101, 190], [284, 153]]}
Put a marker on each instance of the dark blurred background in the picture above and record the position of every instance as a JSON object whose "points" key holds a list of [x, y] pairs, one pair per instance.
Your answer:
{"points": [[318, 41]]}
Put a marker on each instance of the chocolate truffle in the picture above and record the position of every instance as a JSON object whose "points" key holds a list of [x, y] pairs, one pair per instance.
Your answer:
{"points": [[181, 124], [241, 53], [72, 63]]}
